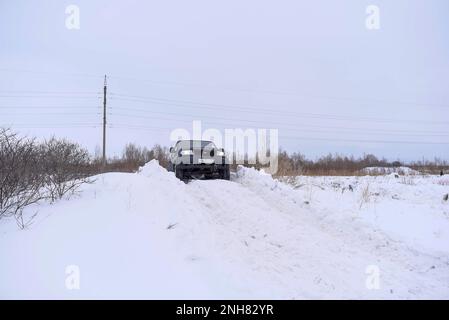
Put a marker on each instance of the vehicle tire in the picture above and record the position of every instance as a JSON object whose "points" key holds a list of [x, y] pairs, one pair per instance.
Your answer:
{"points": [[178, 173], [226, 175]]}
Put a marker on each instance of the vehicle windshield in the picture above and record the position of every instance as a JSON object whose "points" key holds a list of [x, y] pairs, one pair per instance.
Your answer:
{"points": [[195, 144]]}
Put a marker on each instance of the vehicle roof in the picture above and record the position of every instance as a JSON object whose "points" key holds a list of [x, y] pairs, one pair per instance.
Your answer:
{"points": [[196, 143], [208, 141]]}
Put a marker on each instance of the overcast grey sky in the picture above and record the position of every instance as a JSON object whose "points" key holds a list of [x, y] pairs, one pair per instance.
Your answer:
{"points": [[308, 68]]}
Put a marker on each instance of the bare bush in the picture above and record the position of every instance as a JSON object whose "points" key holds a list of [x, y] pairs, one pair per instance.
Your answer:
{"points": [[66, 167], [365, 195], [21, 179], [408, 181], [31, 172], [443, 182], [340, 165], [435, 166], [138, 156]]}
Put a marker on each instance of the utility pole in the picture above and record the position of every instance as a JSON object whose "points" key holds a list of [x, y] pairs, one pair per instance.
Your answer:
{"points": [[104, 119]]}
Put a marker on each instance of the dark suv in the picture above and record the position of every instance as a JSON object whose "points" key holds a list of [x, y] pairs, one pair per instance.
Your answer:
{"points": [[198, 159]]}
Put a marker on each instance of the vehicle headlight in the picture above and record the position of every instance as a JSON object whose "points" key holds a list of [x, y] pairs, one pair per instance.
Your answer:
{"points": [[220, 153], [186, 152]]}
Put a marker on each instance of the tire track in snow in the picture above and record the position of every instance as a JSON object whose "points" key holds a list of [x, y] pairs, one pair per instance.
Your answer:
{"points": [[279, 239]]}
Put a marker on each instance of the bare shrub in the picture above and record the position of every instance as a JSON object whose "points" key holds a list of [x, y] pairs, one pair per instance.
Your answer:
{"points": [[365, 195], [21, 179], [443, 182], [435, 166], [31, 172], [160, 154], [408, 181], [340, 165], [66, 167], [329, 165]]}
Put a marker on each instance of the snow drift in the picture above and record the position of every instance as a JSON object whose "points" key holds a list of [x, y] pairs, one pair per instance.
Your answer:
{"points": [[148, 235]]}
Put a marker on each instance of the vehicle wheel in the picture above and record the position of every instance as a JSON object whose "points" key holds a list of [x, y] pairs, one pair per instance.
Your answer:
{"points": [[178, 173], [226, 175]]}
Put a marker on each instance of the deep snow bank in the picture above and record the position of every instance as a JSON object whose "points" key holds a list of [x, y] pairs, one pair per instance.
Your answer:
{"points": [[410, 209], [148, 235]]}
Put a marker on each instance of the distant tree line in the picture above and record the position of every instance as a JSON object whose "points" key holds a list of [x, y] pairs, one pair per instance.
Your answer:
{"points": [[330, 164], [295, 163], [337, 164], [132, 158]]}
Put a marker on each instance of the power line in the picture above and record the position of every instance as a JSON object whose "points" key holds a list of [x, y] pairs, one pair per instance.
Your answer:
{"points": [[127, 126], [315, 138], [298, 124], [33, 108], [233, 89], [49, 96], [49, 126], [286, 93], [291, 113], [368, 141], [49, 107], [51, 73], [312, 138], [48, 92], [50, 113], [214, 107], [283, 123], [361, 131]]}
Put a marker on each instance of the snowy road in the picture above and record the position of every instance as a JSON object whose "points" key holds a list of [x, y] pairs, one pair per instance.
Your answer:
{"points": [[148, 235]]}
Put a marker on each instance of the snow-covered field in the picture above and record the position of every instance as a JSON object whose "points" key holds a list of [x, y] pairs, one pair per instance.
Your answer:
{"points": [[148, 235]]}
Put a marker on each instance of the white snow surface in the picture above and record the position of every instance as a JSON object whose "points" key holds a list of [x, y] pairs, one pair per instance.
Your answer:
{"points": [[148, 235]]}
